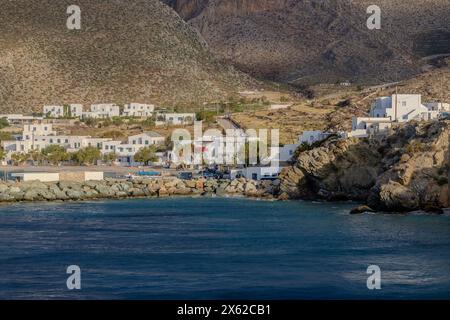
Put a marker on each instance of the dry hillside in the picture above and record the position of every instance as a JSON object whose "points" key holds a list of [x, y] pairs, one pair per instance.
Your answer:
{"points": [[334, 108], [136, 50], [321, 41]]}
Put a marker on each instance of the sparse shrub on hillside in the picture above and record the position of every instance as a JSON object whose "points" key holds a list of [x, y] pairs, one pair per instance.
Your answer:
{"points": [[117, 121], [113, 134], [148, 123], [415, 147], [90, 122], [206, 116], [442, 180]]}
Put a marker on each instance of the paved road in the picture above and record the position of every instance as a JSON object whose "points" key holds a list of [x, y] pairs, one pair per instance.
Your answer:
{"points": [[116, 169], [227, 124]]}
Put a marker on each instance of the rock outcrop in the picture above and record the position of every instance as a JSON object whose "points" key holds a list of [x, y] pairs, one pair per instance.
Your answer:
{"points": [[119, 189], [339, 169], [409, 170]]}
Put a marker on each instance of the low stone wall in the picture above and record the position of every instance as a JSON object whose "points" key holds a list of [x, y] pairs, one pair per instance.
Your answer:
{"points": [[119, 189]]}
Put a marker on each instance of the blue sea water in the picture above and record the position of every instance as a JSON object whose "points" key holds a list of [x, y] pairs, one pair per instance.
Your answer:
{"points": [[218, 248]]}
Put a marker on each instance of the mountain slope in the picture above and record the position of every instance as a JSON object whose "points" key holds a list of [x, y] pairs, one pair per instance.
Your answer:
{"points": [[312, 41], [136, 50]]}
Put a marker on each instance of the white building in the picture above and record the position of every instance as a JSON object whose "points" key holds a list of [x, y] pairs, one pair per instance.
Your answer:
{"points": [[20, 119], [125, 151], [30, 130], [146, 139], [262, 173], [311, 137], [39, 136], [138, 110], [69, 111], [280, 106], [287, 152], [102, 111], [365, 127], [435, 110], [399, 107], [175, 119]]}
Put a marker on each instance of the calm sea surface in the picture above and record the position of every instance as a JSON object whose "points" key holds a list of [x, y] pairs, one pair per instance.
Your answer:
{"points": [[215, 248]]}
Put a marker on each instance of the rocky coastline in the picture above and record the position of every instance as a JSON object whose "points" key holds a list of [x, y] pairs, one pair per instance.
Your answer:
{"points": [[137, 188], [406, 171]]}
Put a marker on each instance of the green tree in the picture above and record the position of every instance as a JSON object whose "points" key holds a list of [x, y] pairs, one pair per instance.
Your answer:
{"points": [[148, 123], [109, 158], [19, 158], [67, 112], [6, 136], [2, 154], [36, 156], [88, 156], [4, 123], [146, 155], [55, 154], [207, 116]]}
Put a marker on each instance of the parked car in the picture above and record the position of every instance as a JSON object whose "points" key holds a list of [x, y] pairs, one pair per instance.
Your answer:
{"points": [[185, 175], [149, 173], [209, 174]]}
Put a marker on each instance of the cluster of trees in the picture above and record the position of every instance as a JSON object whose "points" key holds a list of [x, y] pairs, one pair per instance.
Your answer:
{"points": [[56, 155]]}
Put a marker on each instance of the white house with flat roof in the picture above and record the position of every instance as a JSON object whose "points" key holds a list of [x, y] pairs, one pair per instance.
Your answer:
{"points": [[146, 139], [310, 137], [174, 119], [103, 111], [54, 111], [435, 110], [41, 129], [40, 136], [399, 107], [20, 119], [365, 127], [125, 151], [138, 110], [262, 173], [70, 111]]}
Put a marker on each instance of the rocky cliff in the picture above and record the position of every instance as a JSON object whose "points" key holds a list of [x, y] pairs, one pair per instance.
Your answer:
{"points": [[407, 171], [138, 50], [309, 41]]}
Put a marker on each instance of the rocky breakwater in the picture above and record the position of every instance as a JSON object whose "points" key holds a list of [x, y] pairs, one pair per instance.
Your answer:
{"points": [[120, 189], [408, 170]]}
